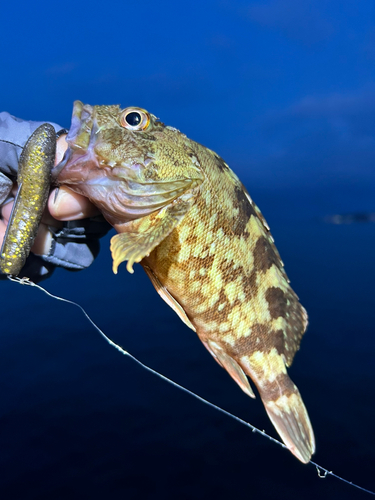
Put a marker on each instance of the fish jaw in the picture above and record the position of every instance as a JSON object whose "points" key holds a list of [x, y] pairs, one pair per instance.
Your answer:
{"points": [[81, 129], [80, 164]]}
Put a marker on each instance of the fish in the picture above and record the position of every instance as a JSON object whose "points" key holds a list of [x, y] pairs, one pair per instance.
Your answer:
{"points": [[185, 216], [350, 218], [34, 181]]}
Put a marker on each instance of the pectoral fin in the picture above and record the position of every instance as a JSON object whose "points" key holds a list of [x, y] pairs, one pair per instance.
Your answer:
{"points": [[141, 236]]}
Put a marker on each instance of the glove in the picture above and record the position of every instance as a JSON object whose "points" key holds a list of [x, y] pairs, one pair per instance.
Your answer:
{"points": [[73, 247]]}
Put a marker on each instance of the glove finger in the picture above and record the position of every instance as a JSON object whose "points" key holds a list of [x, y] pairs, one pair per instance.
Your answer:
{"points": [[5, 187]]}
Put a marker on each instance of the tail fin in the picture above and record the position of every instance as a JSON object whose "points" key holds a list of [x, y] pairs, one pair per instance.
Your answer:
{"points": [[279, 394], [283, 403], [289, 416]]}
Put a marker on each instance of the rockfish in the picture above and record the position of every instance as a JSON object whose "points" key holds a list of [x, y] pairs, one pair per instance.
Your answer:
{"points": [[183, 214]]}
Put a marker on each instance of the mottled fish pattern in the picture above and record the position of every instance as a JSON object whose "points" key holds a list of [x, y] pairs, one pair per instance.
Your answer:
{"points": [[184, 214]]}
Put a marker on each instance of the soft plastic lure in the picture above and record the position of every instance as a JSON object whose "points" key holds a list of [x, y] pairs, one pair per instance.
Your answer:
{"points": [[34, 180]]}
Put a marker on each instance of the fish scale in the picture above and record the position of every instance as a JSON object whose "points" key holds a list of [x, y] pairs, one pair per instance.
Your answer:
{"points": [[207, 249]]}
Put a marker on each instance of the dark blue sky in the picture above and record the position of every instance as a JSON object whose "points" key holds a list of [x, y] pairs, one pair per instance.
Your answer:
{"points": [[284, 91]]}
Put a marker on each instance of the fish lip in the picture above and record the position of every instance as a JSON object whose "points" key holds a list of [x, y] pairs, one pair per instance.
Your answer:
{"points": [[83, 121], [83, 124], [82, 113]]}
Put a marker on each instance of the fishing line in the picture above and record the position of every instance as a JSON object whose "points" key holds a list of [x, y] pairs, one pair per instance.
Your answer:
{"points": [[321, 471]]}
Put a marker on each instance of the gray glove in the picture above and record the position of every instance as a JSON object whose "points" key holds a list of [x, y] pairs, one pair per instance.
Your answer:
{"points": [[76, 245]]}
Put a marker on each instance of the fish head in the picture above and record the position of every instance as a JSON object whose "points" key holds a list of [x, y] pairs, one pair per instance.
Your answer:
{"points": [[127, 162]]}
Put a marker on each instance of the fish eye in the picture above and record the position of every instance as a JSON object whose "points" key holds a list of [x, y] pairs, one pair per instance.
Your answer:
{"points": [[135, 119]]}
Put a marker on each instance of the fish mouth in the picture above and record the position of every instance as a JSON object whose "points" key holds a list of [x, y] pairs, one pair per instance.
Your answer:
{"points": [[80, 151], [118, 190]]}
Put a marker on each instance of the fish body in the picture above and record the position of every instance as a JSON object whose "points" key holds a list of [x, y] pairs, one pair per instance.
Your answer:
{"points": [[34, 182], [184, 214]]}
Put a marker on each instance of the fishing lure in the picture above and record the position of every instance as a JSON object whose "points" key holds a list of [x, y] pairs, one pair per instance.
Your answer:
{"points": [[34, 181]]}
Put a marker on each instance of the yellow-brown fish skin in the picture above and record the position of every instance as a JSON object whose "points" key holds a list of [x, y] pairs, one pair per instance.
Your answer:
{"points": [[207, 249]]}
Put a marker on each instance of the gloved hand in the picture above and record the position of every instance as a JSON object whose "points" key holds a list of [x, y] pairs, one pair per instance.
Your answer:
{"points": [[71, 226]]}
